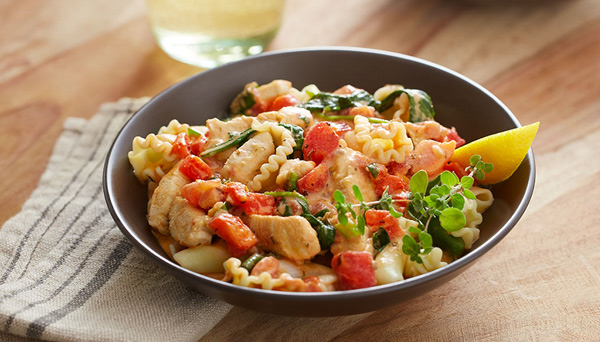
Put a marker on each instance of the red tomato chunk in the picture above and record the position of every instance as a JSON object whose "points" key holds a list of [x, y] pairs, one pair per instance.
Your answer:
{"points": [[237, 235], [195, 168], [320, 142], [314, 181], [181, 146], [252, 203], [204, 193], [354, 270], [382, 218], [282, 101]]}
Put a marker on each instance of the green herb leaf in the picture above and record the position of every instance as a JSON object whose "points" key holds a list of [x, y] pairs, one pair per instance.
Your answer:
{"points": [[426, 242], [469, 194], [474, 159], [411, 248], [394, 213], [418, 182], [373, 169], [361, 223], [448, 178], [357, 192], [452, 219], [458, 201], [466, 182]]}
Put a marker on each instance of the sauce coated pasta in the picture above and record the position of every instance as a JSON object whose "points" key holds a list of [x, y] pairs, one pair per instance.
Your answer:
{"points": [[304, 190]]}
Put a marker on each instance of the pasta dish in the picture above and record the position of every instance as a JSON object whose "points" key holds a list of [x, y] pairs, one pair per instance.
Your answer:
{"points": [[305, 190]]}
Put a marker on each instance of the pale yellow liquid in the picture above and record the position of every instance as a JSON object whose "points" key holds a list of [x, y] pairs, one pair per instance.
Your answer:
{"points": [[208, 33]]}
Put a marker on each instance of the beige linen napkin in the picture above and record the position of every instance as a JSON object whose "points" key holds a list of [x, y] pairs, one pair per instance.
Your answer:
{"points": [[66, 271]]}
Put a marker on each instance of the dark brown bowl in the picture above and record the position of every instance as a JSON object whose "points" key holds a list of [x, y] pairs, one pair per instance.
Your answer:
{"points": [[458, 101]]}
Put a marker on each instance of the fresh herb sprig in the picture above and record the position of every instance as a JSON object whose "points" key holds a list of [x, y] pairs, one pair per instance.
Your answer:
{"points": [[437, 207], [357, 225]]}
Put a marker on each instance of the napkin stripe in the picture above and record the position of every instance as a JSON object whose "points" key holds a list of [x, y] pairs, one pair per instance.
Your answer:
{"points": [[46, 210], [78, 270], [67, 253], [102, 276]]}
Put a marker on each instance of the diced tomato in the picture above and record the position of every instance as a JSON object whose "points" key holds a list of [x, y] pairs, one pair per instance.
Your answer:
{"points": [[455, 167], [195, 168], [453, 135], [340, 128], [259, 204], [398, 169], [181, 145], [237, 193], [252, 203], [376, 219], [204, 193], [314, 181], [320, 142], [237, 235], [198, 144], [354, 270], [395, 184], [282, 101]]}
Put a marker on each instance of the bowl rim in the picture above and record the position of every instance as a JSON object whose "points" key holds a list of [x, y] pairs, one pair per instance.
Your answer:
{"points": [[456, 265]]}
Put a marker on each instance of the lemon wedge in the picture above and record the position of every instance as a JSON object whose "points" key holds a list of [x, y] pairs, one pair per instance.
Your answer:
{"points": [[506, 150]]}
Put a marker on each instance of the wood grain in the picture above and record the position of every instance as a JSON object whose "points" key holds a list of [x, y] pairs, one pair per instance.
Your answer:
{"points": [[61, 58]]}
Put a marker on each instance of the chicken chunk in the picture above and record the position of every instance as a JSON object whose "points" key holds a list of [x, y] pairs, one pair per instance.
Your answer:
{"points": [[162, 199], [219, 132], [430, 155], [350, 169], [189, 224], [290, 236], [244, 164]]}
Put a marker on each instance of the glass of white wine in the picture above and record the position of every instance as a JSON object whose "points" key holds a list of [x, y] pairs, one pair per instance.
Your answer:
{"points": [[208, 33]]}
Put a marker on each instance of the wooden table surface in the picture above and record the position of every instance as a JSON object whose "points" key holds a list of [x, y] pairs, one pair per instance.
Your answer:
{"points": [[64, 58]]}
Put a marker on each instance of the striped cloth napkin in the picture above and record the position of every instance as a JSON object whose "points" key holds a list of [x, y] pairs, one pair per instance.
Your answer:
{"points": [[66, 271]]}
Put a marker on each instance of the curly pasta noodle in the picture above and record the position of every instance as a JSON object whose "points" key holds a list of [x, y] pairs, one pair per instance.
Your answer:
{"points": [[383, 142], [468, 234], [431, 261], [174, 127], [285, 146], [151, 157], [239, 276]]}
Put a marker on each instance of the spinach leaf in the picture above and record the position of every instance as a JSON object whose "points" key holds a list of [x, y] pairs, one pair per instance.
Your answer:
{"points": [[418, 111], [453, 245], [244, 101], [380, 239], [297, 134], [236, 139], [328, 102]]}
